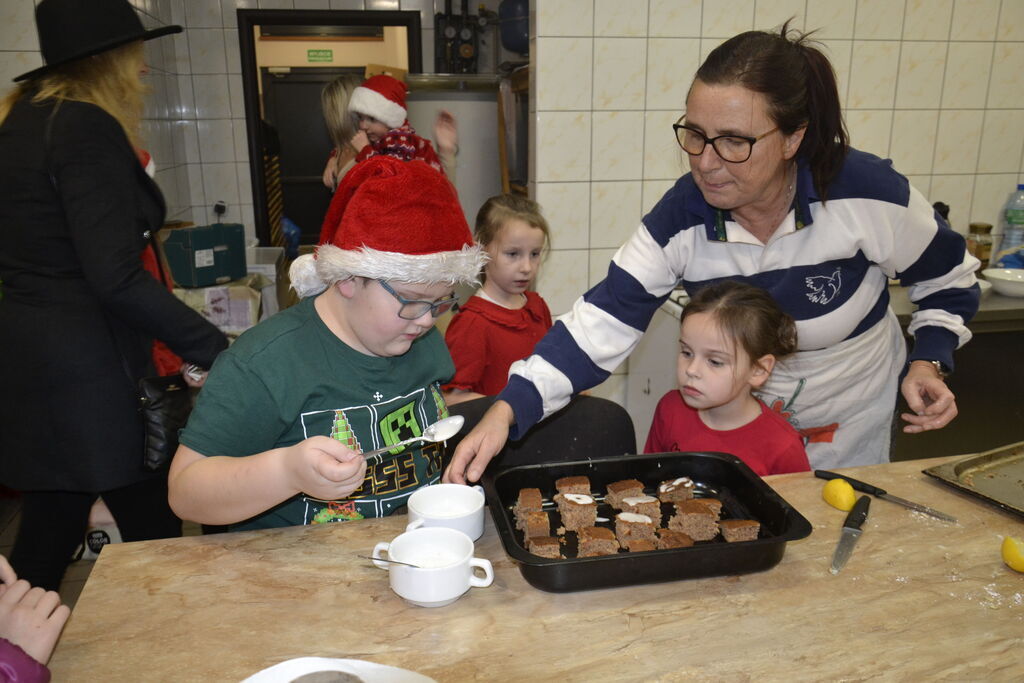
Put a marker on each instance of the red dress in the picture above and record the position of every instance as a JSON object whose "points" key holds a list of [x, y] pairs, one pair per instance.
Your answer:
{"points": [[485, 339], [768, 444]]}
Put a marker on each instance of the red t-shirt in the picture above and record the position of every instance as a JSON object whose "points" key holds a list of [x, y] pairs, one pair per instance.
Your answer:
{"points": [[485, 339], [768, 444]]}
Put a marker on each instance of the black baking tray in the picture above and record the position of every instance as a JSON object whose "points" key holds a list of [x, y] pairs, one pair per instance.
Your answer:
{"points": [[744, 495]]}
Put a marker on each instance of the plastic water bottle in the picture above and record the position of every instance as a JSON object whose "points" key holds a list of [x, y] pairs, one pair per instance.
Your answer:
{"points": [[1010, 250]]}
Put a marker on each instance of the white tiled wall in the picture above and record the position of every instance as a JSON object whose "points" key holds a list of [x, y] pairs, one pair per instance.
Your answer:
{"points": [[935, 85]]}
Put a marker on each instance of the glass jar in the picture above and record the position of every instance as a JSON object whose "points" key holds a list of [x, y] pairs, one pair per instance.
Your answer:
{"points": [[979, 242]]}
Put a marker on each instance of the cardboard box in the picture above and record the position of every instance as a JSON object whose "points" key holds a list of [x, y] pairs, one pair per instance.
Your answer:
{"points": [[384, 69], [270, 263], [233, 307], [203, 255]]}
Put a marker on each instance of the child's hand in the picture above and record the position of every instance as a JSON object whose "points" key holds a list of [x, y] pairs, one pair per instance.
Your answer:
{"points": [[31, 618], [359, 140], [446, 133], [324, 468]]}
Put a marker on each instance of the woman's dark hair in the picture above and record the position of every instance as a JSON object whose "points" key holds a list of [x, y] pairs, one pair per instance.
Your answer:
{"points": [[748, 315], [800, 86]]}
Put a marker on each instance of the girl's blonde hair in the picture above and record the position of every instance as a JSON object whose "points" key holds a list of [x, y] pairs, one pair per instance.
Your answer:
{"points": [[110, 80], [341, 123], [502, 208]]}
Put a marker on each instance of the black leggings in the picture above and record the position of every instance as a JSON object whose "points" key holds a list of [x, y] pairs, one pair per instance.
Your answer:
{"points": [[53, 523]]}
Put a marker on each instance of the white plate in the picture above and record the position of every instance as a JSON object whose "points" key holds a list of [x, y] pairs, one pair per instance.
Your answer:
{"points": [[371, 672]]}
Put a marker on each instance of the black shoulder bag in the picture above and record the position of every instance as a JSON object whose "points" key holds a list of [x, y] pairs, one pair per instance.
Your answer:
{"points": [[164, 402]]}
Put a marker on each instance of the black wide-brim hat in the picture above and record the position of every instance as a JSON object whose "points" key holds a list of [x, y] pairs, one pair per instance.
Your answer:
{"points": [[73, 29]]}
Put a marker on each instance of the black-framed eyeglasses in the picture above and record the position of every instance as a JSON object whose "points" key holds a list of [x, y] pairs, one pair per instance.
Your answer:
{"points": [[732, 148], [412, 309]]}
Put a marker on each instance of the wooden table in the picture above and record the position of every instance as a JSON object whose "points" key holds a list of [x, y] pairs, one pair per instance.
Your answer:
{"points": [[919, 600]]}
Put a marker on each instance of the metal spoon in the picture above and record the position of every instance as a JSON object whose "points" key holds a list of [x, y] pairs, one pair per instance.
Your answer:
{"points": [[384, 559], [439, 431]]}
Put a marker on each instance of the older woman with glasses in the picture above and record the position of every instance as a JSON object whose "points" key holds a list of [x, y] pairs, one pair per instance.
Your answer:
{"points": [[775, 197]]}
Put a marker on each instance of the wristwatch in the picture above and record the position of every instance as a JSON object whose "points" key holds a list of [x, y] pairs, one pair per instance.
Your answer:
{"points": [[939, 368]]}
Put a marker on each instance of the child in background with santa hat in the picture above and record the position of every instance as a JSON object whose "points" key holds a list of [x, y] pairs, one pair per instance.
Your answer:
{"points": [[380, 105], [276, 434]]}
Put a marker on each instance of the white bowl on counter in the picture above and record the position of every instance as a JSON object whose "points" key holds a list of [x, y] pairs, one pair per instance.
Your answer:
{"points": [[985, 286], [1006, 281]]}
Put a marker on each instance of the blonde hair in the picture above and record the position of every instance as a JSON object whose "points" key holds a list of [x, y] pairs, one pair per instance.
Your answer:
{"points": [[502, 208], [110, 80], [341, 123]]}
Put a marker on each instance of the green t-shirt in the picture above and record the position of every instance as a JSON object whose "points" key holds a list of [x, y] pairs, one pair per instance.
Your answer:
{"points": [[290, 378]]}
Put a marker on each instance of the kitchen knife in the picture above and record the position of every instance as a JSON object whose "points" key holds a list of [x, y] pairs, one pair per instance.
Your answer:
{"points": [[851, 532], [883, 494]]}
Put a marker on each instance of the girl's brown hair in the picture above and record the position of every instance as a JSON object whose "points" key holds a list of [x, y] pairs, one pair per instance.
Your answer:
{"points": [[502, 208], [800, 85], [110, 80], [748, 315], [341, 123]]}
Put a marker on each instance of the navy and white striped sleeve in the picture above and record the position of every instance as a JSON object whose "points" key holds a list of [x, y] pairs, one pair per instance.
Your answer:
{"points": [[604, 325], [932, 260]]}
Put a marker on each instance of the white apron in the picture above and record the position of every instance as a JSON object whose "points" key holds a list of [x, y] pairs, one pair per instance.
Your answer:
{"points": [[841, 399]]}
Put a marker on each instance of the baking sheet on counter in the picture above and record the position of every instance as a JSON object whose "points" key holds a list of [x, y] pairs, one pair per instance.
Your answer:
{"points": [[996, 476]]}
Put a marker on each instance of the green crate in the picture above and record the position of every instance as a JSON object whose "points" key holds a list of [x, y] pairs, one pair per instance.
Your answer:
{"points": [[204, 255]]}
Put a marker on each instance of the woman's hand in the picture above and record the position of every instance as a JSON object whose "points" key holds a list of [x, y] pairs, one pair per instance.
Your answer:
{"points": [[928, 396], [323, 468], [446, 133], [31, 618], [478, 447]]}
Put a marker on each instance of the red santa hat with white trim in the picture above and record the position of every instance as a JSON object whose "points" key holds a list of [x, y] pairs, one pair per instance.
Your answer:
{"points": [[381, 97], [401, 221]]}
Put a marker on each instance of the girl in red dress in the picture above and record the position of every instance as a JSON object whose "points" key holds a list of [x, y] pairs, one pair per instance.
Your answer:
{"points": [[500, 323], [730, 338]]}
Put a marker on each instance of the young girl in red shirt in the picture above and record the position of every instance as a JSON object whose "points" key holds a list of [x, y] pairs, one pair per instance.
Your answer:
{"points": [[500, 323], [730, 338]]}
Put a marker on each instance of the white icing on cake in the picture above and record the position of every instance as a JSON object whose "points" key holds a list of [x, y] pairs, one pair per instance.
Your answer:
{"points": [[634, 517], [578, 498], [639, 500], [670, 486]]}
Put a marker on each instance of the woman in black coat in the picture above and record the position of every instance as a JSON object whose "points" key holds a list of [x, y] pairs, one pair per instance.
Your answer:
{"points": [[79, 313]]}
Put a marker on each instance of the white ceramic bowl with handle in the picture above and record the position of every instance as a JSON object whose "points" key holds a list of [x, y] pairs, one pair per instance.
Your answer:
{"points": [[1006, 281], [444, 566]]}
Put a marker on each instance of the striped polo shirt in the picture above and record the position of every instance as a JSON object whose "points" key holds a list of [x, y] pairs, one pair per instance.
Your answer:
{"points": [[827, 265]]}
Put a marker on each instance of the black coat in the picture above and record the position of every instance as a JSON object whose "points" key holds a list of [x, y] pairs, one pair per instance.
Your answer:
{"points": [[79, 313]]}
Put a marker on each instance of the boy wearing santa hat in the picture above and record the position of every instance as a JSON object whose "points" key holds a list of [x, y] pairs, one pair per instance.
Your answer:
{"points": [[277, 431]]}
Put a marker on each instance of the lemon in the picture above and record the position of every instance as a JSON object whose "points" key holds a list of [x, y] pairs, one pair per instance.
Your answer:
{"points": [[839, 494], [1013, 553]]}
